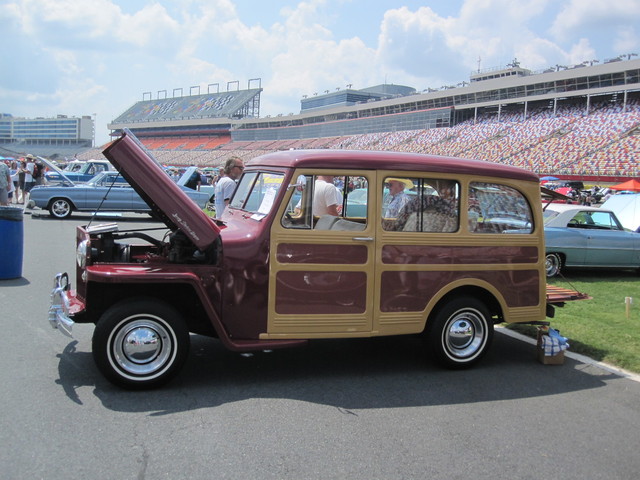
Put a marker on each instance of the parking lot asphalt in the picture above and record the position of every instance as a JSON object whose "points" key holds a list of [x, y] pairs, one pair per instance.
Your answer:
{"points": [[343, 409]]}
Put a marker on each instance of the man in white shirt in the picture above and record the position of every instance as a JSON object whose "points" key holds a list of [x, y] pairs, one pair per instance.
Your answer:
{"points": [[227, 184], [326, 198], [29, 181]]}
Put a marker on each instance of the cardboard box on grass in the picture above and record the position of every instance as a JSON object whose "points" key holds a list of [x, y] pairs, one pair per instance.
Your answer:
{"points": [[557, 359]]}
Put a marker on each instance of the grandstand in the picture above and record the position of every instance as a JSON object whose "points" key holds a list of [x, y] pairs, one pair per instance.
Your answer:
{"points": [[570, 121]]}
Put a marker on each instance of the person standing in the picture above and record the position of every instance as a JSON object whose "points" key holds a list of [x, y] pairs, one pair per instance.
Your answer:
{"points": [[326, 197], [29, 181], [225, 187], [22, 172], [38, 172], [5, 183], [15, 175], [194, 181]]}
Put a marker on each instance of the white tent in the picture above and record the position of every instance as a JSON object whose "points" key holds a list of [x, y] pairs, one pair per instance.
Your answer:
{"points": [[627, 209]]}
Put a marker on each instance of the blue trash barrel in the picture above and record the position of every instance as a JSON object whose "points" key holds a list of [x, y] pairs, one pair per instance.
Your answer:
{"points": [[11, 242]]}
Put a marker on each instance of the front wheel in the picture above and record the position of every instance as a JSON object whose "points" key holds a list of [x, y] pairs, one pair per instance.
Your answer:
{"points": [[60, 208], [140, 343], [460, 333], [552, 264]]}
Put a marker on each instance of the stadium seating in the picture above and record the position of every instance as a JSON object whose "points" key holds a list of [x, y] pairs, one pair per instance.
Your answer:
{"points": [[570, 141]]}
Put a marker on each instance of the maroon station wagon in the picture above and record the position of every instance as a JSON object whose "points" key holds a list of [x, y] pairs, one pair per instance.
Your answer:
{"points": [[444, 248]]}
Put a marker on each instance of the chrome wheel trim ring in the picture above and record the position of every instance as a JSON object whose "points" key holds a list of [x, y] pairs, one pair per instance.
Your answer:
{"points": [[551, 264], [464, 335], [142, 348]]}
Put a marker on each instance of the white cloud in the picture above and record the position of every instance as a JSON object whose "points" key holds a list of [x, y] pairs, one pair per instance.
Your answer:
{"points": [[613, 22], [627, 40], [581, 51], [578, 15]]}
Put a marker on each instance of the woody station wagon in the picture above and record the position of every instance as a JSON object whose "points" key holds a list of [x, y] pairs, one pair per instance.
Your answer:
{"points": [[463, 250]]}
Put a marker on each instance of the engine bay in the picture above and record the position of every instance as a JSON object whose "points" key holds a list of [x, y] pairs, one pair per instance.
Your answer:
{"points": [[110, 245]]}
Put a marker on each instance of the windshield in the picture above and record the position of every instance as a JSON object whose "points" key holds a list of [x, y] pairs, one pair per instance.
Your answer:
{"points": [[256, 193], [73, 166], [107, 179]]}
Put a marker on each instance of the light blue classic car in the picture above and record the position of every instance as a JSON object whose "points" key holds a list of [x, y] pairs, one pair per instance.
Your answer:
{"points": [[77, 171], [107, 192], [580, 236]]}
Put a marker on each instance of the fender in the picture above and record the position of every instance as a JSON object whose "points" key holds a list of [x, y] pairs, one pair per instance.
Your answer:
{"points": [[148, 275]]}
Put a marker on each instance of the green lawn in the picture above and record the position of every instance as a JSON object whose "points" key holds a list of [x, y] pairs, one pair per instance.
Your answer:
{"points": [[599, 328]]}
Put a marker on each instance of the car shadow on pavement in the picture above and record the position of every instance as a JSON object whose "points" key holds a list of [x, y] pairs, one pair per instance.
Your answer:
{"points": [[349, 374]]}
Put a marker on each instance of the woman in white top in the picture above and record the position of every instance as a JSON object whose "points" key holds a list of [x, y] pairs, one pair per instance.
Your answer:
{"points": [[15, 176]]}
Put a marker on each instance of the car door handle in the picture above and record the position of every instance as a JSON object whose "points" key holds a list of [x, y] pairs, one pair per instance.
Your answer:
{"points": [[363, 239]]}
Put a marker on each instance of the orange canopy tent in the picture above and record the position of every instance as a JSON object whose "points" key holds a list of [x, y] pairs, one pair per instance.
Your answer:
{"points": [[632, 185]]}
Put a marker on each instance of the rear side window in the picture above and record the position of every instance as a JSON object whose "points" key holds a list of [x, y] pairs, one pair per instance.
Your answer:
{"points": [[495, 208], [420, 205]]}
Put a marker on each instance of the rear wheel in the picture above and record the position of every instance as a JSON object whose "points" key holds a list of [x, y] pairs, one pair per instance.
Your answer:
{"points": [[140, 343], [460, 333], [60, 208], [552, 264]]}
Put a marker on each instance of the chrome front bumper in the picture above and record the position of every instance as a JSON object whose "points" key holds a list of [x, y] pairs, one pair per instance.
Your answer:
{"points": [[59, 316]]}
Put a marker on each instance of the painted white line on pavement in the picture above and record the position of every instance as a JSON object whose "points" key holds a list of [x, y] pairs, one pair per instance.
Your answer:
{"points": [[575, 356]]}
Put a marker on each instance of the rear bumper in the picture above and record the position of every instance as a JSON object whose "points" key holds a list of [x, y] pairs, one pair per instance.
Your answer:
{"points": [[64, 305]]}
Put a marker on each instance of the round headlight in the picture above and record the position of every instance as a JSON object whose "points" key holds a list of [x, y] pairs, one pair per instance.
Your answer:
{"points": [[81, 253]]}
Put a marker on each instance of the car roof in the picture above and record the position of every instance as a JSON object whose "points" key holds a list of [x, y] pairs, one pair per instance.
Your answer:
{"points": [[563, 207], [374, 160]]}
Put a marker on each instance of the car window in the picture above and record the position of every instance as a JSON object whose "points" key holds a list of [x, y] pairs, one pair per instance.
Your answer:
{"points": [[420, 205], [580, 220], [328, 202], [605, 220], [107, 180], [495, 208], [595, 220], [256, 193]]}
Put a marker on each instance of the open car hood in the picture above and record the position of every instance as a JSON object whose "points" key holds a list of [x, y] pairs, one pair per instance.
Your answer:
{"points": [[549, 196], [167, 201], [52, 166]]}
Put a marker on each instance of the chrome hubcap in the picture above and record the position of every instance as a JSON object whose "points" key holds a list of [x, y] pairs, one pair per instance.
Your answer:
{"points": [[142, 347], [465, 334]]}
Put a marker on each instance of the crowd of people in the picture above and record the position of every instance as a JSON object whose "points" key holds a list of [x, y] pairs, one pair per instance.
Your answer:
{"points": [[18, 177]]}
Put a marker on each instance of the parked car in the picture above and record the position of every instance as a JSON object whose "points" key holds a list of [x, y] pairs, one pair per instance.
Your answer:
{"points": [[78, 171], [576, 185], [580, 236], [108, 191], [627, 209], [268, 275]]}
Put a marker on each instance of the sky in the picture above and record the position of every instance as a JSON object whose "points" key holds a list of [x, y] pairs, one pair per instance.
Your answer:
{"points": [[99, 57]]}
